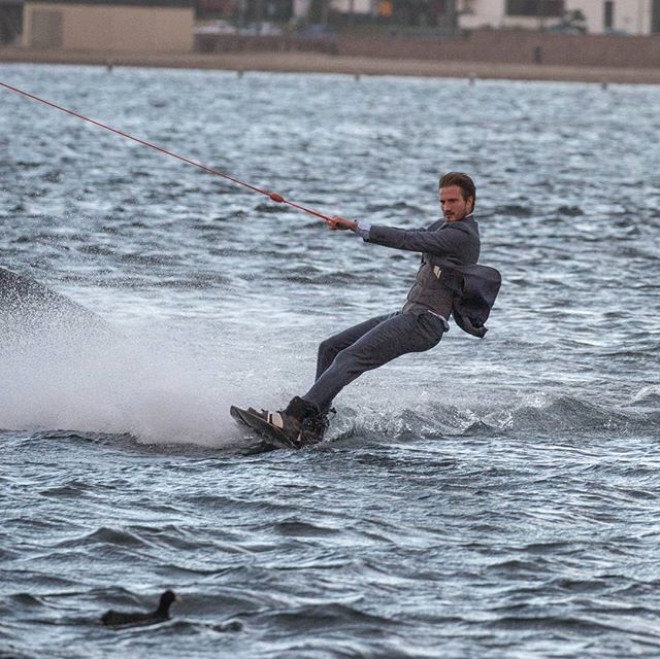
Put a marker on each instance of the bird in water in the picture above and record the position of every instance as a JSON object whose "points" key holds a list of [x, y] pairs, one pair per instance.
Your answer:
{"points": [[120, 618]]}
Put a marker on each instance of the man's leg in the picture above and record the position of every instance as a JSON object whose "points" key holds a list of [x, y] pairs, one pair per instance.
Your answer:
{"points": [[332, 346], [387, 339], [303, 421]]}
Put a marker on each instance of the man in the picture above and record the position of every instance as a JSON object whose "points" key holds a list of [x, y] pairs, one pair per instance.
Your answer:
{"points": [[448, 282]]}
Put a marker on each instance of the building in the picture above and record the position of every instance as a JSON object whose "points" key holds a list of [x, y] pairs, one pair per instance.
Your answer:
{"points": [[637, 17], [634, 17], [11, 19], [120, 26]]}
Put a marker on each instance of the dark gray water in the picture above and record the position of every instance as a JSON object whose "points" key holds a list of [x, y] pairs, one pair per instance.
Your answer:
{"points": [[493, 498]]}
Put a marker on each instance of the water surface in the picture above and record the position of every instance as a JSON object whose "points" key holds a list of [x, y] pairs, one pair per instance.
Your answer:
{"points": [[489, 498]]}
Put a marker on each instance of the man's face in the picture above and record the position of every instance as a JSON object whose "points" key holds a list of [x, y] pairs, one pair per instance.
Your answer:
{"points": [[454, 207]]}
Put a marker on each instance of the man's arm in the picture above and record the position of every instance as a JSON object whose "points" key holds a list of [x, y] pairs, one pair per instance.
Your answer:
{"points": [[451, 241], [448, 241]]}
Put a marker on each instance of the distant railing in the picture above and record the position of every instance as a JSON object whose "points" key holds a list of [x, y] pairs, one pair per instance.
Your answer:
{"points": [[494, 46], [232, 43]]}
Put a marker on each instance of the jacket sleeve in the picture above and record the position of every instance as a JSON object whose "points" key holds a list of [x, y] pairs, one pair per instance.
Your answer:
{"points": [[447, 242]]}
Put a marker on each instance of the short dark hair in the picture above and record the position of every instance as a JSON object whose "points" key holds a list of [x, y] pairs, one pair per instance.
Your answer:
{"points": [[463, 181]]}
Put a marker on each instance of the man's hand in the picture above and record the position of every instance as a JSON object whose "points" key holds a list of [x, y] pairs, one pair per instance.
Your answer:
{"points": [[337, 223]]}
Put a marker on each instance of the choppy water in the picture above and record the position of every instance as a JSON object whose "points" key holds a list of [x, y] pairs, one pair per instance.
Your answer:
{"points": [[487, 499]]}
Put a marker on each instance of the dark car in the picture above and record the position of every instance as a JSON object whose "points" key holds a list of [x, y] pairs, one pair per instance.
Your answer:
{"points": [[316, 31]]}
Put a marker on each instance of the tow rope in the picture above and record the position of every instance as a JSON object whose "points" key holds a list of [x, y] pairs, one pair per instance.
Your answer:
{"points": [[273, 196]]}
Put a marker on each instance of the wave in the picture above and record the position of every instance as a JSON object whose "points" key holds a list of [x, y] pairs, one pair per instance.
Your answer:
{"points": [[560, 416], [566, 417]]}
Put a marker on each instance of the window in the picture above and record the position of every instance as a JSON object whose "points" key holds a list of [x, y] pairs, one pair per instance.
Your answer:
{"points": [[608, 22], [550, 8], [46, 28]]}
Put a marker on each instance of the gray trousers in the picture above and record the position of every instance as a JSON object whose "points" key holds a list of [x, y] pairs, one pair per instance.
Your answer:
{"points": [[345, 356]]}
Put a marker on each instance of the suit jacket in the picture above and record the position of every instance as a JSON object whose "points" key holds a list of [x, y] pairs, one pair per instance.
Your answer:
{"points": [[450, 251], [476, 287]]}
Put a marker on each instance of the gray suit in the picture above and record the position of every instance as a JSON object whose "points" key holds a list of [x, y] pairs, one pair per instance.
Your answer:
{"points": [[419, 326]]}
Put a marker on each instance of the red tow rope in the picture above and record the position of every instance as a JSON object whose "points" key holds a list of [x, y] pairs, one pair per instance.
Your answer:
{"points": [[273, 196]]}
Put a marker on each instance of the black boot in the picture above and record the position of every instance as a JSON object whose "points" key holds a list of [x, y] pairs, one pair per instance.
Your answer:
{"points": [[300, 424], [312, 423], [314, 427], [301, 409]]}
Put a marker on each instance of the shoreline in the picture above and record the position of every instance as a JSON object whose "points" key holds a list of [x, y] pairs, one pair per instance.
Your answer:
{"points": [[313, 62]]}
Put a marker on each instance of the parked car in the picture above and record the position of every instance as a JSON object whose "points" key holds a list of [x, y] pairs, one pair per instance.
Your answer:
{"points": [[215, 27], [262, 29], [316, 31]]}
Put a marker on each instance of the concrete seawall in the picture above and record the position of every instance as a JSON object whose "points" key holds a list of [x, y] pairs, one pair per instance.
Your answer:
{"points": [[517, 47], [491, 46], [519, 55]]}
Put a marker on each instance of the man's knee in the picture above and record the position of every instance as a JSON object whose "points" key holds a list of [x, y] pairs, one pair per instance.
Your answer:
{"points": [[328, 349], [353, 362]]}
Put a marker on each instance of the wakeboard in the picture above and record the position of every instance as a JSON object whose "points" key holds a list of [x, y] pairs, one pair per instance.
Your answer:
{"points": [[270, 438]]}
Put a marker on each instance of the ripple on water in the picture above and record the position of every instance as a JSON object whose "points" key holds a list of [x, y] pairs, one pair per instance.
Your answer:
{"points": [[490, 498]]}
